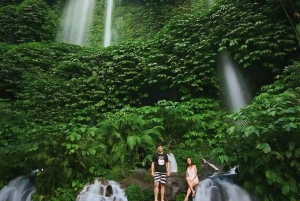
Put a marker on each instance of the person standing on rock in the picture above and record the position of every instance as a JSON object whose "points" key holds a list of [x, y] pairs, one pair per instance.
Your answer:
{"points": [[160, 170], [191, 178]]}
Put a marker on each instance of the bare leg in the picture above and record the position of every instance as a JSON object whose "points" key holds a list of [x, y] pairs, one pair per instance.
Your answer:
{"points": [[187, 194], [156, 184], [162, 191], [191, 185]]}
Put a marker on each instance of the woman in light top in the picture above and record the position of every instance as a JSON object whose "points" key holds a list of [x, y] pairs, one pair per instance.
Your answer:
{"points": [[191, 178]]}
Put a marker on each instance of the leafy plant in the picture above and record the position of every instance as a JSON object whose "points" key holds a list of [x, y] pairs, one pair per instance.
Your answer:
{"points": [[129, 137], [134, 193], [263, 140]]}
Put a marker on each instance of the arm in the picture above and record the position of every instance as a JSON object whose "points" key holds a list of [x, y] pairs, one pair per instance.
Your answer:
{"points": [[186, 174], [196, 173], [152, 168], [168, 168]]}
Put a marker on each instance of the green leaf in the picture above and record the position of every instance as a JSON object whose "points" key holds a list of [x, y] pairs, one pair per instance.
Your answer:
{"points": [[293, 163], [91, 170], [74, 183], [288, 154], [270, 175], [83, 165], [264, 146], [78, 137], [92, 151], [285, 189], [297, 153], [131, 141], [72, 137], [292, 145], [232, 129], [293, 125], [223, 158]]}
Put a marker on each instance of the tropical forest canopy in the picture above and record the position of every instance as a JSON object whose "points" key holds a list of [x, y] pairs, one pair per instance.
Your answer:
{"points": [[82, 112]]}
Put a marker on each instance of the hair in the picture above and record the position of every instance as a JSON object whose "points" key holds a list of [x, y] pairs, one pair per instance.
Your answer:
{"points": [[158, 145], [186, 162]]}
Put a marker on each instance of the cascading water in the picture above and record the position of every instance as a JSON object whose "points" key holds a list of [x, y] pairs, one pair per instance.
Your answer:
{"points": [[19, 189], [102, 191], [173, 163], [235, 86], [107, 36], [220, 190], [77, 20]]}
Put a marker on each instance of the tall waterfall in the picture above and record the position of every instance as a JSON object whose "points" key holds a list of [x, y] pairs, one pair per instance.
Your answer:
{"points": [[77, 20], [235, 85], [107, 36]]}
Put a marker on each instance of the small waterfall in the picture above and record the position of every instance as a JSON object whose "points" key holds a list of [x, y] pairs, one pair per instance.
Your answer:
{"points": [[220, 190], [77, 20], [102, 191], [235, 85], [19, 189], [173, 163], [107, 36]]}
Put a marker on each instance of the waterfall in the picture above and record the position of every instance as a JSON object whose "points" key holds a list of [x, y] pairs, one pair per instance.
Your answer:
{"points": [[77, 20], [173, 163], [19, 189], [107, 36], [102, 191], [235, 86], [220, 190]]}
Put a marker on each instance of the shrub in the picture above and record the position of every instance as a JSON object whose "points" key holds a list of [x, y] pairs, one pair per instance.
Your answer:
{"points": [[134, 193]]}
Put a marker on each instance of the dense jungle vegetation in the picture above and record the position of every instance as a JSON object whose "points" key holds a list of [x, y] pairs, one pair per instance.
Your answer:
{"points": [[83, 112]]}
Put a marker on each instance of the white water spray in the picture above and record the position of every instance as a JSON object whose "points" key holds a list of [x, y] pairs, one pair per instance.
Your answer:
{"points": [[77, 20], [19, 189], [102, 190], [219, 190], [235, 86], [107, 36]]}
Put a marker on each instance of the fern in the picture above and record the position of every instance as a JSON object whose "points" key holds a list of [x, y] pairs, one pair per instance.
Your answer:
{"points": [[131, 141], [148, 139]]}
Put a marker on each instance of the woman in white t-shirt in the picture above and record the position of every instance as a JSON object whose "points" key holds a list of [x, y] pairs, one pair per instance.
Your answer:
{"points": [[191, 178]]}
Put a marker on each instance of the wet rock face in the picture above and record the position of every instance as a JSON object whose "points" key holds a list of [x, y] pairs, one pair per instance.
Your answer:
{"points": [[175, 184], [207, 171], [140, 174]]}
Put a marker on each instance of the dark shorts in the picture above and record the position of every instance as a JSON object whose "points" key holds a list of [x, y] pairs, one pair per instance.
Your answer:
{"points": [[160, 177]]}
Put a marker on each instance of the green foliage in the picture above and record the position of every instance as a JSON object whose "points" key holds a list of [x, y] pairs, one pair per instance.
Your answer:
{"points": [[62, 151], [148, 194], [264, 139], [51, 24], [180, 197], [28, 21], [182, 154], [4, 3], [76, 112], [116, 174], [7, 21], [129, 137], [134, 193], [58, 195], [226, 27], [31, 16], [139, 21]]}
